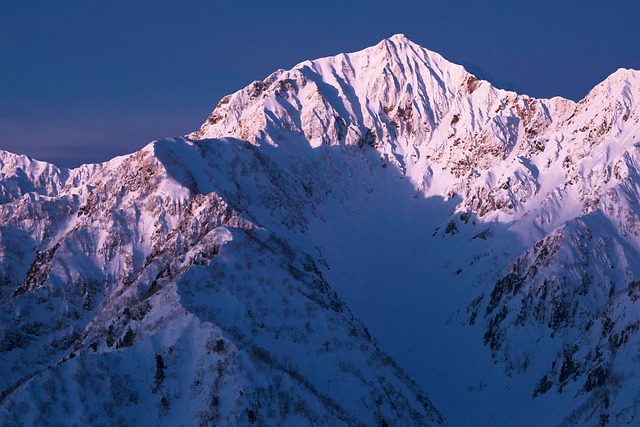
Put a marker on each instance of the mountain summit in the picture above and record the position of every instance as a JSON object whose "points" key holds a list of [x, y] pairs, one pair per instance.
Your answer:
{"points": [[340, 99], [336, 243]]}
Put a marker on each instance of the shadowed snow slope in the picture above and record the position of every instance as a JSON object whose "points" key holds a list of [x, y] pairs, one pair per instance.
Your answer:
{"points": [[333, 243]]}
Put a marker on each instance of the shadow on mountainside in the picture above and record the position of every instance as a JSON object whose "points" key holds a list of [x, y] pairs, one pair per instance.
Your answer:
{"points": [[406, 265]]}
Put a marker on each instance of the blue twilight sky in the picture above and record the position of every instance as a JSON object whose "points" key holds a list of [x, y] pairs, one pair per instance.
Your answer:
{"points": [[83, 81]]}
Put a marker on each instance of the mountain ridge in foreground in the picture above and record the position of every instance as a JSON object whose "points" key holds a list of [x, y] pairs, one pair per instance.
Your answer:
{"points": [[333, 245]]}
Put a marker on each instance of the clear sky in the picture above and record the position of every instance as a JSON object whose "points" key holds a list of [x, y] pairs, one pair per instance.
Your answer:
{"points": [[83, 81]]}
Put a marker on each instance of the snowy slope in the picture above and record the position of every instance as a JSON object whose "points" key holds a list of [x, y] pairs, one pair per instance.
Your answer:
{"points": [[382, 201], [145, 293], [491, 174]]}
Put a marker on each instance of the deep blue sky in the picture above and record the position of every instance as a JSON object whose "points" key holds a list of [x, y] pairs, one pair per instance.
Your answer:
{"points": [[82, 81]]}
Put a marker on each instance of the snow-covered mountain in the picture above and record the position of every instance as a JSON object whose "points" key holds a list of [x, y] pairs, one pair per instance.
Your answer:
{"points": [[333, 245]]}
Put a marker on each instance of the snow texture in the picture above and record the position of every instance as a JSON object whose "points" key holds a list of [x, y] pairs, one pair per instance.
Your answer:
{"points": [[334, 244]]}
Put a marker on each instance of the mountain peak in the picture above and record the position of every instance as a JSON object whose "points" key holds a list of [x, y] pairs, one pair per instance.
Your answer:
{"points": [[234, 284], [623, 85], [622, 77], [360, 88], [401, 49], [400, 39], [626, 73]]}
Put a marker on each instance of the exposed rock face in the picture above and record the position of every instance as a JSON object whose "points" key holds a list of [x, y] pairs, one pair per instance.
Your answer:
{"points": [[489, 242]]}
